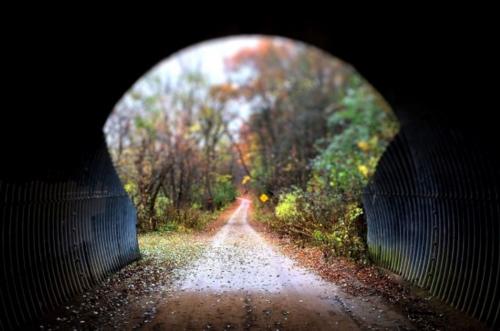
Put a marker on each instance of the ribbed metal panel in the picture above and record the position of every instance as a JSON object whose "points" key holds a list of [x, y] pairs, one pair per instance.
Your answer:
{"points": [[432, 210], [60, 236], [433, 214]]}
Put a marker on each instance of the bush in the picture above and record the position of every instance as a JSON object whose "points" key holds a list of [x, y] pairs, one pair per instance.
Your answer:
{"points": [[331, 222], [344, 237], [225, 191], [287, 206], [187, 219]]}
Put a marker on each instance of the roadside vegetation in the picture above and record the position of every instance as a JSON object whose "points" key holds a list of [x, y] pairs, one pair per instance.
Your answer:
{"points": [[312, 145], [300, 130]]}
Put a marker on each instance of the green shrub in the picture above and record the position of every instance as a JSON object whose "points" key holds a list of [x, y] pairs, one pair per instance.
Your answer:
{"points": [[186, 219], [331, 222], [225, 191], [344, 238], [287, 206]]}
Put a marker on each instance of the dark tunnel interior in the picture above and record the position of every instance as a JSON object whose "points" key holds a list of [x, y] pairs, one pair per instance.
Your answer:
{"points": [[432, 209]]}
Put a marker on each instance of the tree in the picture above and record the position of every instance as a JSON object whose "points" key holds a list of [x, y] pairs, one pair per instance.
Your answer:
{"points": [[292, 89]]}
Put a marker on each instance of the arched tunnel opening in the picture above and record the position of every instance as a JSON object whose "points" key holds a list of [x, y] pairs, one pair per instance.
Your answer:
{"points": [[246, 113], [431, 208]]}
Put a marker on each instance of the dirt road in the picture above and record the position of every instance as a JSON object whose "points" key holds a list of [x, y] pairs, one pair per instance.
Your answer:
{"points": [[242, 283]]}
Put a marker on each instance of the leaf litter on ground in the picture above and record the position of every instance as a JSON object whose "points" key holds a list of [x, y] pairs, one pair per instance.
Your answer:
{"points": [[129, 298]]}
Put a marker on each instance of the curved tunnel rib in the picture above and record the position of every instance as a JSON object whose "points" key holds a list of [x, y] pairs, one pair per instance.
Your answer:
{"points": [[60, 236], [432, 213]]}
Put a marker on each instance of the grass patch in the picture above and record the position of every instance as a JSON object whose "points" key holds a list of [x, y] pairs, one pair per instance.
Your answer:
{"points": [[170, 249]]}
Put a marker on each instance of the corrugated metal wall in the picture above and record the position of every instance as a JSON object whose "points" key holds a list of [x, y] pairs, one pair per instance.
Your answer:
{"points": [[60, 236], [433, 216], [432, 209]]}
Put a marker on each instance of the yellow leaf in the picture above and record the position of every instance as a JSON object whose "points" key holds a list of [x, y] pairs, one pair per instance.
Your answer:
{"points": [[195, 128], [245, 180], [263, 197], [363, 170], [364, 146]]}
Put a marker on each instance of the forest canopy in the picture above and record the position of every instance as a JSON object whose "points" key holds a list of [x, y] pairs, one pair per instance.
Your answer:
{"points": [[299, 129]]}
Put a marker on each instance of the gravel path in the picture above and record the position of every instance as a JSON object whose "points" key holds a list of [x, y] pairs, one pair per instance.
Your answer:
{"points": [[243, 283]]}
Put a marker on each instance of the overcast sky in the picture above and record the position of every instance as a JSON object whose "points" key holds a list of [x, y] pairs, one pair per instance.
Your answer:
{"points": [[207, 56]]}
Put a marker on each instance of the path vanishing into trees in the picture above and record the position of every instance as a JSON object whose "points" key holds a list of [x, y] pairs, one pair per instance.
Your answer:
{"points": [[244, 283]]}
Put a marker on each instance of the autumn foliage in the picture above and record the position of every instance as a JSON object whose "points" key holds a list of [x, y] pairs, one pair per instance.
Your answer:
{"points": [[312, 142], [307, 146]]}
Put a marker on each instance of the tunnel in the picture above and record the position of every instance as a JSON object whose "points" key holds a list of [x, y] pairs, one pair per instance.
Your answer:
{"points": [[432, 207]]}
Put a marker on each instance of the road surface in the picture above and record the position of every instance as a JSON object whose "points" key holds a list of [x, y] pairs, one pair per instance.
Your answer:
{"points": [[243, 283]]}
